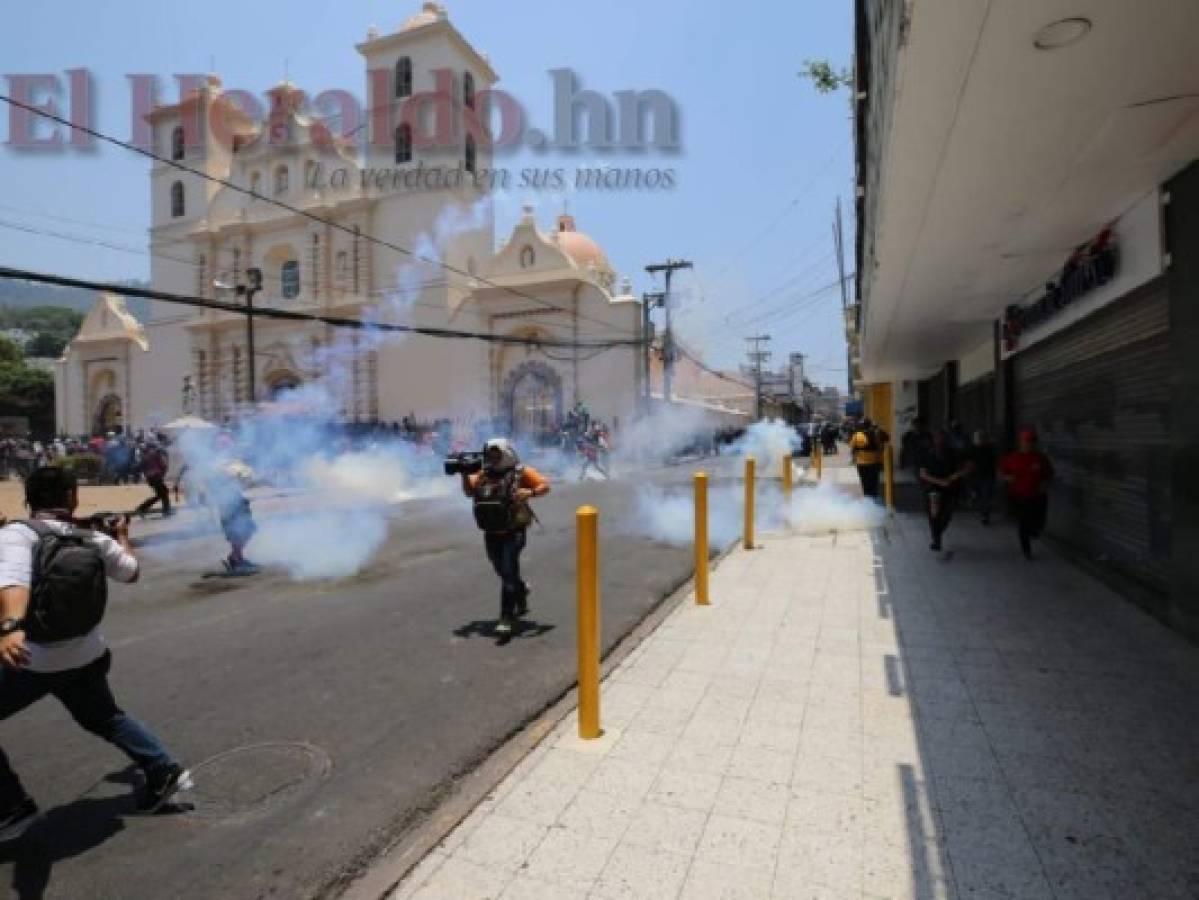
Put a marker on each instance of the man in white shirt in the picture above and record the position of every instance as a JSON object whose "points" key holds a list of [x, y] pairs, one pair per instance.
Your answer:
{"points": [[75, 671]]}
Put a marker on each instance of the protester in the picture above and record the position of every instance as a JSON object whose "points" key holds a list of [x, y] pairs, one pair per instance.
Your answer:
{"points": [[154, 465], [593, 447], [916, 442], [501, 491], [46, 651], [941, 471], [1027, 472], [866, 449], [982, 457]]}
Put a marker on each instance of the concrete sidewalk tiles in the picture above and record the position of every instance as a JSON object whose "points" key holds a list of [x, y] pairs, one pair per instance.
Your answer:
{"points": [[855, 716]]}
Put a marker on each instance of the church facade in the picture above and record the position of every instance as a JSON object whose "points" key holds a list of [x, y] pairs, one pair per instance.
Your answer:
{"points": [[354, 247]]}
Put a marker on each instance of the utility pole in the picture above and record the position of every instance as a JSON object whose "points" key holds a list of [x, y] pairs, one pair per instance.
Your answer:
{"points": [[254, 277], [667, 335], [757, 356], [839, 243], [254, 285], [649, 300]]}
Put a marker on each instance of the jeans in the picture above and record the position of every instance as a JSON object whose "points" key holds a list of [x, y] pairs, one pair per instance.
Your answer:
{"points": [[161, 495], [868, 474], [939, 506], [1030, 513], [86, 695], [503, 549]]}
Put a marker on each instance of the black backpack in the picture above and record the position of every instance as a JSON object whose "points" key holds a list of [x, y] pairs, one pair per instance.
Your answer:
{"points": [[495, 505], [69, 587]]}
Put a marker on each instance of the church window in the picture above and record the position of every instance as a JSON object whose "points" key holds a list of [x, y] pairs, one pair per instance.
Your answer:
{"points": [[281, 180], [404, 77], [255, 182], [341, 267], [177, 207], [468, 90], [404, 143], [177, 145], [527, 257], [469, 162], [289, 276]]}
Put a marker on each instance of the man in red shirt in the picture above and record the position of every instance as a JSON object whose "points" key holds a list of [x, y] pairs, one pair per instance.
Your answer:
{"points": [[1027, 472]]}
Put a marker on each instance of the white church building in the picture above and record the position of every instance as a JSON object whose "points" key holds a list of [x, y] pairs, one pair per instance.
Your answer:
{"points": [[543, 284]]}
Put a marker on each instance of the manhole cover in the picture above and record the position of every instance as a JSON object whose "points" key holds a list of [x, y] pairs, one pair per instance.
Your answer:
{"points": [[248, 779]]}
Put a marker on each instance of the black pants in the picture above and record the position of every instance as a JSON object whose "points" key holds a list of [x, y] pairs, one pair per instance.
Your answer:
{"points": [[504, 549], [939, 506], [161, 495], [1030, 517], [868, 474], [86, 695]]}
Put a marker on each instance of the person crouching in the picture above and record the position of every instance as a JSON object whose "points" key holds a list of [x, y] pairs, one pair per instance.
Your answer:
{"points": [[501, 491]]}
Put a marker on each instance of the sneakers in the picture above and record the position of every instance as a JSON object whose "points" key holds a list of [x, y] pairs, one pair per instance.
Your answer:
{"points": [[162, 785], [522, 605], [15, 821], [504, 625]]}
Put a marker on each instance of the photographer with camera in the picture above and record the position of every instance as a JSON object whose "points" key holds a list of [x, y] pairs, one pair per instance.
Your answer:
{"points": [[53, 592], [501, 489]]}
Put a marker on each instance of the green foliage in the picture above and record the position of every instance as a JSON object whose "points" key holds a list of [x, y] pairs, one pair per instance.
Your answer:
{"points": [[10, 352], [51, 326], [824, 77], [86, 466]]}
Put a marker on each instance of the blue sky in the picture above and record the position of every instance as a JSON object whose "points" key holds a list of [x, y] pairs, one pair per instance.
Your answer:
{"points": [[763, 157]]}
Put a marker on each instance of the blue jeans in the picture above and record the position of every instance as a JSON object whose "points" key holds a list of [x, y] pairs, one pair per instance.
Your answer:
{"points": [[503, 549], [86, 695]]}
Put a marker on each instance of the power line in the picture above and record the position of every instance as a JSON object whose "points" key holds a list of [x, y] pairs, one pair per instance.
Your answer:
{"points": [[391, 245], [124, 248], [269, 312]]}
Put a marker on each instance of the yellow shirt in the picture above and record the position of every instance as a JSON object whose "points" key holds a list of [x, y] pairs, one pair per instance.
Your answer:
{"points": [[859, 445]]}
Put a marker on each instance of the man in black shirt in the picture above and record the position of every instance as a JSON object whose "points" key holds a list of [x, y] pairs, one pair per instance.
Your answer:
{"points": [[941, 472]]}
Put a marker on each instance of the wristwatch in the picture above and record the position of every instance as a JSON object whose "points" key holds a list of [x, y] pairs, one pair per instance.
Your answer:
{"points": [[8, 626]]}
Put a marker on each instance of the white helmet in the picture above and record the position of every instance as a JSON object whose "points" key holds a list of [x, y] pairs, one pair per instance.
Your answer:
{"points": [[508, 458]]}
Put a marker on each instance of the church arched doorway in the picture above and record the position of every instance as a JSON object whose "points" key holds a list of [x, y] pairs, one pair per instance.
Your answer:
{"points": [[284, 382], [109, 415], [533, 398]]}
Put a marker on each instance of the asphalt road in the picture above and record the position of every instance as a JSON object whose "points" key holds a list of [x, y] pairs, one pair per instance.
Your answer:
{"points": [[320, 718]]}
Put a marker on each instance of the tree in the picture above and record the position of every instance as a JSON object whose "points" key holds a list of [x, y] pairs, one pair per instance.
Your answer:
{"points": [[44, 343], [824, 77], [11, 352]]}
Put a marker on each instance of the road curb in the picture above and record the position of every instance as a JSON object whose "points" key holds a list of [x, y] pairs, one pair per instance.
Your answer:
{"points": [[386, 870]]}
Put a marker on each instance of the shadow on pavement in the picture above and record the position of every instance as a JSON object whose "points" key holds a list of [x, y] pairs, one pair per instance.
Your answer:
{"points": [[524, 628], [67, 831]]}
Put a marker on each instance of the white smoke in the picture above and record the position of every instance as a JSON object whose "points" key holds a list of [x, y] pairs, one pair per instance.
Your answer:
{"points": [[768, 442], [668, 430], [338, 520], [669, 516]]}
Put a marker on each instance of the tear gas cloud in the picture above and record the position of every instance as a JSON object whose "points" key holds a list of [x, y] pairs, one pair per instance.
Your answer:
{"points": [[339, 521]]}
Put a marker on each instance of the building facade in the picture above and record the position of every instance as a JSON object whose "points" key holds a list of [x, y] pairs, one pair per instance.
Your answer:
{"points": [[1027, 206], [362, 233]]}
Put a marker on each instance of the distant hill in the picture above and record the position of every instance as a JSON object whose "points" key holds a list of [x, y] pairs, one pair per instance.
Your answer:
{"points": [[27, 294]]}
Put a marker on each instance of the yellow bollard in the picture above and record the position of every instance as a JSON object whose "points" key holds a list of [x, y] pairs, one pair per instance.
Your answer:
{"points": [[749, 503], [701, 538], [787, 478], [817, 459], [889, 479], [587, 519]]}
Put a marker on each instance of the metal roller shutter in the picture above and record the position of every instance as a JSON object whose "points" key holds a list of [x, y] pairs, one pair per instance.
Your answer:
{"points": [[1099, 395]]}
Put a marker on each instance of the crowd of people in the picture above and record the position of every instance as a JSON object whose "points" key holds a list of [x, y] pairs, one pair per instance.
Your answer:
{"points": [[956, 469]]}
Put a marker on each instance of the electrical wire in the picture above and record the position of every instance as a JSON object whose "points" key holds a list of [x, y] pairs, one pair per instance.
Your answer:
{"points": [[269, 312], [295, 210]]}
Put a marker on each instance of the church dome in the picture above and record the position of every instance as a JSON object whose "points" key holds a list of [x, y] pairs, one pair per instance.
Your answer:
{"points": [[578, 246], [431, 12]]}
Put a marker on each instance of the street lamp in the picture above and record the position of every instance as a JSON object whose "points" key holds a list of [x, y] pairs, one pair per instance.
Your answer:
{"points": [[254, 277]]}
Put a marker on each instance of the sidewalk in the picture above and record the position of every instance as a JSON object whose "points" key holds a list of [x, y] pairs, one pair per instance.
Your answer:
{"points": [[854, 716]]}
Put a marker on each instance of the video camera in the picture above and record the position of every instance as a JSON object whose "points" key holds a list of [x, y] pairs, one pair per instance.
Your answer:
{"points": [[465, 463], [106, 522]]}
